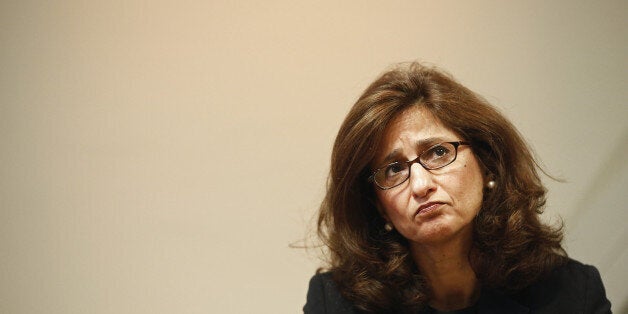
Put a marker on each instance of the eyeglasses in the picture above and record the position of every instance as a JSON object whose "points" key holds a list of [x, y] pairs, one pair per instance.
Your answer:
{"points": [[435, 157]]}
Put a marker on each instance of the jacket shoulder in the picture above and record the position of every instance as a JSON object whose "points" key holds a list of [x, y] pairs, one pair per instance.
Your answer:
{"points": [[323, 296], [572, 286]]}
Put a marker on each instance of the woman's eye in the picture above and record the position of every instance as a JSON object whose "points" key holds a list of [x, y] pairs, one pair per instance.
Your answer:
{"points": [[437, 152], [394, 169]]}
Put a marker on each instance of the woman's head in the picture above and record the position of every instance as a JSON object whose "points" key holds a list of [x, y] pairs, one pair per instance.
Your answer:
{"points": [[429, 184], [353, 214], [502, 154]]}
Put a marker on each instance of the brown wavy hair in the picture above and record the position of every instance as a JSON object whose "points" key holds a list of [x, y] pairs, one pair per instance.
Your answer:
{"points": [[512, 248]]}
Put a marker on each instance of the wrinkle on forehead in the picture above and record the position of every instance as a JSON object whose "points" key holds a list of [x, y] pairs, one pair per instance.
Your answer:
{"points": [[404, 126]]}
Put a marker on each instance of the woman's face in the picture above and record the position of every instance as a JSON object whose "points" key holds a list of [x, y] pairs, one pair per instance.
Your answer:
{"points": [[431, 206]]}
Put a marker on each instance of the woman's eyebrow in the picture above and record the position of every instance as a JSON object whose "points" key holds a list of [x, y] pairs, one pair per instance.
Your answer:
{"points": [[429, 141], [391, 156], [420, 144]]}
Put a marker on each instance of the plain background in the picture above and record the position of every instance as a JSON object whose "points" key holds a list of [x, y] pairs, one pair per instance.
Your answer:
{"points": [[160, 156]]}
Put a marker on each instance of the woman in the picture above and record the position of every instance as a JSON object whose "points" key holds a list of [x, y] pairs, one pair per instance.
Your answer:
{"points": [[432, 206]]}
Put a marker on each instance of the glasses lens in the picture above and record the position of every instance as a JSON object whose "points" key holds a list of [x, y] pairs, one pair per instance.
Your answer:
{"points": [[392, 174], [435, 157], [438, 156]]}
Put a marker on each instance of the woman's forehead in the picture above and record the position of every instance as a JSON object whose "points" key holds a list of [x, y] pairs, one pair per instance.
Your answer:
{"points": [[413, 127]]}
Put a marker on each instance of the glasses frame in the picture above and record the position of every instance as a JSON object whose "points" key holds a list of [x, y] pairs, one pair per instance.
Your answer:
{"points": [[409, 163]]}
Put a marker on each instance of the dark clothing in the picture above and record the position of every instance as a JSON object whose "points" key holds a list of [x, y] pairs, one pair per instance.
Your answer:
{"points": [[571, 288], [470, 310]]}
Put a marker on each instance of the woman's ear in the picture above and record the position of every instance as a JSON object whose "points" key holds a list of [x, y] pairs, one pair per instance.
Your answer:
{"points": [[388, 226], [488, 175], [381, 210], [489, 181], [374, 200]]}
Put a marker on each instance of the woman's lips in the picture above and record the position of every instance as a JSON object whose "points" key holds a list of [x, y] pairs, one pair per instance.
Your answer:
{"points": [[428, 209]]}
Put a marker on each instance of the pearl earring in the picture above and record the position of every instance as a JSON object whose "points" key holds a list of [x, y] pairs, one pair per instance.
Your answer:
{"points": [[388, 227], [491, 184]]}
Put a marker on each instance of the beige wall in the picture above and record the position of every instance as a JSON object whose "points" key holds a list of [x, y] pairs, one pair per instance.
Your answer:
{"points": [[159, 157]]}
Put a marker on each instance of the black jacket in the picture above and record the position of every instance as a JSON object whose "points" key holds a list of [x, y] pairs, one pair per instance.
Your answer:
{"points": [[572, 288]]}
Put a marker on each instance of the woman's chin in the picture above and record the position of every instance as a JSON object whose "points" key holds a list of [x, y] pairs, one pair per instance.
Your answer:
{"points": [[439, 232]]}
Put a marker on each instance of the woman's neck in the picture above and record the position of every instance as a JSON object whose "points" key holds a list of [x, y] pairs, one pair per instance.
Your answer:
{"points": [[447, 269]]}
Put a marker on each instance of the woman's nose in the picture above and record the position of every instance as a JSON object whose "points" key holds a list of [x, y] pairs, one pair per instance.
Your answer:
{"points": [[421, 181]]}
